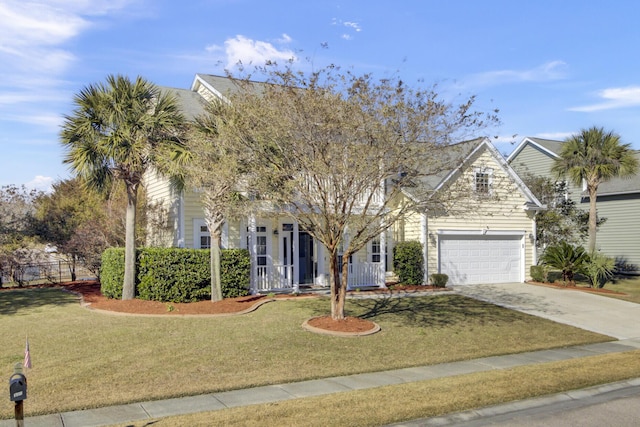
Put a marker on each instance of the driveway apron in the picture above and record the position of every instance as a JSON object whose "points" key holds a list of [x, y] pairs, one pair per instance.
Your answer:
{"points": [[596, 313]]}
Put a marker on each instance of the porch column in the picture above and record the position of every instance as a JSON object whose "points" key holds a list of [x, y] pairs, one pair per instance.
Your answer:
{"points": [[252, 254], [425, 243], [296, 257], [180, 221], [320, 277], [383, 259]]}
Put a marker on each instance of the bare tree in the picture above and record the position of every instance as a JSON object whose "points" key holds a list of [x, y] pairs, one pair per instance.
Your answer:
{"points": [[343, 154]]}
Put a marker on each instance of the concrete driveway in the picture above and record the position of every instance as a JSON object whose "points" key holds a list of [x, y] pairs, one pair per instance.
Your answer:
{"points": [[604, 315]]}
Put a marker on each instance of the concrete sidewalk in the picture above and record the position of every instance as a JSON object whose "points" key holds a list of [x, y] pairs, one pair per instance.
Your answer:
{"points": [[280, 392], [615, 404]]}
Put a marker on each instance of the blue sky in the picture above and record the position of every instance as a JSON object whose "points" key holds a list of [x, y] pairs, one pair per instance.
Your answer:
{"points": [[550, 67]]}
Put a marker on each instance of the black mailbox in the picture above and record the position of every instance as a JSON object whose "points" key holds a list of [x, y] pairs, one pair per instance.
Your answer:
{"points": [[17, 387]]}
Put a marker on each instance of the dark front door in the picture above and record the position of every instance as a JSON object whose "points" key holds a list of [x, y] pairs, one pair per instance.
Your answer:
{"points": [[307, 266]]}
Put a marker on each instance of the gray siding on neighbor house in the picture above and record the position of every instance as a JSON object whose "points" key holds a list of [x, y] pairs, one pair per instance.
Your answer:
{"points": [[532, 160], [618, 201], [619, 236]]}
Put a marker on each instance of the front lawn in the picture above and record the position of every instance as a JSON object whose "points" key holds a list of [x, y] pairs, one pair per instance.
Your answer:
{"points": [[629, 285], [85, 359]]}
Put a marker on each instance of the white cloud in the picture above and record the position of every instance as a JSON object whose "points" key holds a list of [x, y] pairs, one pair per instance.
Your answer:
{"points": [[34, 54], [285, 39], [554, 70], [42, 183], [34, 32], [353, 25], [241, 49], [350, 25], [616, 97]]}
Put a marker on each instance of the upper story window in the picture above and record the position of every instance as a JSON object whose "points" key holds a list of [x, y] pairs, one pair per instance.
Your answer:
{"points": [[483, 178]]}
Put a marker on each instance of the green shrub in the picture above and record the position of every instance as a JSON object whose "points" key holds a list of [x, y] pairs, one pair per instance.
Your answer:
{"points": [[176, 275], [112, 273], [173, 274], [235, 270], [539, 273], [407, 263], [599, 269], [567, 258], [439, 280]]}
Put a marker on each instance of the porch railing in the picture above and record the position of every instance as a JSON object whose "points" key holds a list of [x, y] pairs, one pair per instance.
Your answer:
{"points": [[280, 277], [365, 274], [274, 278]]}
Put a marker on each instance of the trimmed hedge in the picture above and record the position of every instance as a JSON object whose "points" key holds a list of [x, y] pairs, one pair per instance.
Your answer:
{"points": [[175, 275], [172, 274], [408, 263], [112, 272], [235, 270]]}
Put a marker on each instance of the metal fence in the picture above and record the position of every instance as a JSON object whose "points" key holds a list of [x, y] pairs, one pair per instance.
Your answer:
{"points": [[12, 274]]}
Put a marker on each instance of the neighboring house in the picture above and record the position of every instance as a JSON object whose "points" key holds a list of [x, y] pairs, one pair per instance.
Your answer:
{"points": [[618, 200], [484, 234]]}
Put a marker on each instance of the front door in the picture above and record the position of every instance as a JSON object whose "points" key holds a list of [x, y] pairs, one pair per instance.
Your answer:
{"points": [[306, 261]]}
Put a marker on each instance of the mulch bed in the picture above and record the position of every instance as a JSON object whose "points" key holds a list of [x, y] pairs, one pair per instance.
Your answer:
{"points": [[576, 288], [348, 324]]}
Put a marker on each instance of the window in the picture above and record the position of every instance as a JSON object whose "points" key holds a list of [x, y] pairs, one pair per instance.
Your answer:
{"points": [[482, 181], [375, 250], [201, 235], [261, 250]]}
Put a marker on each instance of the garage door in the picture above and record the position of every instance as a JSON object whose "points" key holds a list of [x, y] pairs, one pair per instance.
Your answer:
{"points": [[481, 259]]}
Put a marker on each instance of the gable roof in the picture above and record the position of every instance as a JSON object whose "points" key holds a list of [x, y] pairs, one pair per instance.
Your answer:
{"points": [[191, 103], [548, 146], [615, 186], [222, 86], [460, 155], [485, 144]]}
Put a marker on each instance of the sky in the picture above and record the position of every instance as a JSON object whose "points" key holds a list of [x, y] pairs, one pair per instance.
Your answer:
{"points": [[550, 67]]}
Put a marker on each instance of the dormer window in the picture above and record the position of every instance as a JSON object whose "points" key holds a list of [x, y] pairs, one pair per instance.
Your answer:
{"points": [[482, 181]]}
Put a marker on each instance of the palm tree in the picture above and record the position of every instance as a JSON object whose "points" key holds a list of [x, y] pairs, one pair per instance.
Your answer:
{"points": [[594, 156], [118, 130]]}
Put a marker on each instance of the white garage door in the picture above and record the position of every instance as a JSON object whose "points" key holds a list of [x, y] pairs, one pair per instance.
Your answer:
{"points": [[481, 259]]}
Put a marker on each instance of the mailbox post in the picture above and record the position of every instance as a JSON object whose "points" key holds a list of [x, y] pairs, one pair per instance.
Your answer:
{"points": [[18, 393]]}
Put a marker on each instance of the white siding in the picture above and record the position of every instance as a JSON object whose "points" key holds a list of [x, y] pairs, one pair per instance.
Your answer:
{"points": [[503, 212]]}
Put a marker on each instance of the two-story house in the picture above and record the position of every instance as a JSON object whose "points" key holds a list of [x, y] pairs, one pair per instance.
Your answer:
{"points": [[484, 235]]}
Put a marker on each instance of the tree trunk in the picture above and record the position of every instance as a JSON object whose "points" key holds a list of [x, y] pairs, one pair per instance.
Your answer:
{"points": [[337, 294], [129, 285], [593, 218], [72, 268], [216, 284]]}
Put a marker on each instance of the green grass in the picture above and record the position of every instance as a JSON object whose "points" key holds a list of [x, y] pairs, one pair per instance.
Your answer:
{"points": [[421, 399], [86, 359], [629, 285]]}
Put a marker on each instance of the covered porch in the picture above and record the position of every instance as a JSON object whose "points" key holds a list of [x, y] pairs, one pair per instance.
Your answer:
{"points": [[285, 258]]}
